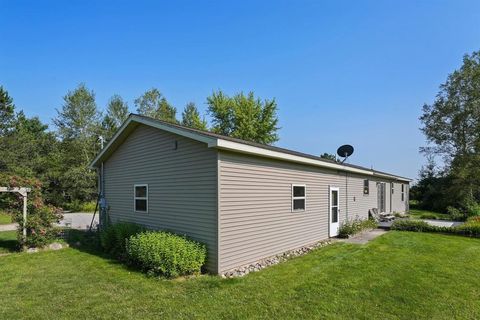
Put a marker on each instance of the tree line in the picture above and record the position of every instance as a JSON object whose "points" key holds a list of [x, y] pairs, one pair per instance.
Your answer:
{"points": [[59, 158], [451, 125]]}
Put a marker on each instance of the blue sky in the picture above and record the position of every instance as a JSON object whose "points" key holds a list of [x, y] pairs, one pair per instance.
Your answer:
{"points": [[353, 72]]}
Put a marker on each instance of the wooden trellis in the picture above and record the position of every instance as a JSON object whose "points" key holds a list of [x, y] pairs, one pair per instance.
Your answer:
{"points": [[24, 193]]}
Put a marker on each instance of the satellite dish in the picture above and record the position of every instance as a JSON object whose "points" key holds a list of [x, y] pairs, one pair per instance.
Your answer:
{"points": [[345, 151]]}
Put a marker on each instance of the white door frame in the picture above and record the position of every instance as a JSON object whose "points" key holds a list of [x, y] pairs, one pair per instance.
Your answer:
{"points": [[333, 226]]}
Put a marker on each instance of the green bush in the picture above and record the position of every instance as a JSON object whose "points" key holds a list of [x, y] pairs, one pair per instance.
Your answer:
{"points": [[414, 204], [167, 254], [410, 225], [456, 214], [114, 237], [473, 209], [470, 229], [351, 227]]}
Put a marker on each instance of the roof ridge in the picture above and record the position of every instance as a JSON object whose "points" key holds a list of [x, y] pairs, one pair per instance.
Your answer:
{"points": [[261, 145]]}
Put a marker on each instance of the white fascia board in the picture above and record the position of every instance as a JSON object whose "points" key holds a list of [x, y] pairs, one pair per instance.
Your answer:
{"points": [[238, 147], [247, 149]]}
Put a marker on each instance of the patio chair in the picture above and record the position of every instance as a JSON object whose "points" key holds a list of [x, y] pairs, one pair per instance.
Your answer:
{"points": [[380, 217]]}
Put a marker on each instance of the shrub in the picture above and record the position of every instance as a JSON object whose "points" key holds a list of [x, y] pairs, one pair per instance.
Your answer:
{"points": [[40, 219], [410, 225], [456, 214], [472, 209], [474, 220], [469, 229], [114, 237], [167, 254], [351, 227], [414, 204]]}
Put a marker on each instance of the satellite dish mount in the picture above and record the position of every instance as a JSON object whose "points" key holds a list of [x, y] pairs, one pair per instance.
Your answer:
{"points": [[345, 151]]}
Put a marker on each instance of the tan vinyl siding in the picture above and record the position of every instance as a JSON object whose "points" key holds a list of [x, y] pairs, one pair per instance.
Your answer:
{"points": [[182, 185], [256, 220], [398, 205]]}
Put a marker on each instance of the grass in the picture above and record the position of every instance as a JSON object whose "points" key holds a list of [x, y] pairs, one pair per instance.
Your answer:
{"points": [[425, 214], [5, 218], [77, 206], [8, 241], [400, 275]]}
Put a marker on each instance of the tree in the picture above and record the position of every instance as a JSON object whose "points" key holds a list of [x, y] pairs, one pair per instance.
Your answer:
{"points": [[117, 113], [7, 111], [452, 123], [452, 128], [153, 104], [191, 117], [78, 124], [244, 117], [328, 156]]}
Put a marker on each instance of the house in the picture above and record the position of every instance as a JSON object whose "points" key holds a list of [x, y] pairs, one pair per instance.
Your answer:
{"points": [[245, 201]]}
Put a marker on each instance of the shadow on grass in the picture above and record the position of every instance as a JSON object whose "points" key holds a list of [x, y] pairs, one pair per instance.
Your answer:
{"points": [[89, 242], [8, 242]]}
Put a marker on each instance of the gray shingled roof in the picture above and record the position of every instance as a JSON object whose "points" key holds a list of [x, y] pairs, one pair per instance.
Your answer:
{"points": [[263, 146]]}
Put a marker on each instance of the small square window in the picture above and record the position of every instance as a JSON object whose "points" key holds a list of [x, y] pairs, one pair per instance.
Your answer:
{"points": [[299, 199], [141, 198]]}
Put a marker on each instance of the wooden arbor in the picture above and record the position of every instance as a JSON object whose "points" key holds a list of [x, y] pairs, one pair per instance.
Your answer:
{"points": [[24, 193]]}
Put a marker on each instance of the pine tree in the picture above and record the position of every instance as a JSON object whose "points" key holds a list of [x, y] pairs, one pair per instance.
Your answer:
{"points": [[191, 117], [117, 113], [7, 111]]}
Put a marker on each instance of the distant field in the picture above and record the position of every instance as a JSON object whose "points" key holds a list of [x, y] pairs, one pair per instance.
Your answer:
{"points": [[5, 218], [425, 214]]}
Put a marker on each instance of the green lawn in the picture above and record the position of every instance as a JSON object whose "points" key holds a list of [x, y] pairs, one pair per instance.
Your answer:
{"points": [[401, 275], [5, 218], [425, 214]]}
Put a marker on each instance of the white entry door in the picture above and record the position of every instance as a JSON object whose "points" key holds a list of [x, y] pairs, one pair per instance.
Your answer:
{"points": [[334, 210]]}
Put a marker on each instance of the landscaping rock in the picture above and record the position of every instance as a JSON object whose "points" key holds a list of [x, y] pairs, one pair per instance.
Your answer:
{"points": [[32, 250], [270, 261], [55, 246]]}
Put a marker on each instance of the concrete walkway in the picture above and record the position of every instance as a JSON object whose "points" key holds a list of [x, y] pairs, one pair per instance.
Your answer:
{"points": [[8, 227], [365, 237]]}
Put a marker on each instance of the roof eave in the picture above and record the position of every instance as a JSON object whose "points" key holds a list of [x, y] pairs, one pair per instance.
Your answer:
{"points": [[252, 150]]}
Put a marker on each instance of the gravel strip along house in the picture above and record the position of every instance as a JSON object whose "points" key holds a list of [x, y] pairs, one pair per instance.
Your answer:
{"points": [[245, 201]]}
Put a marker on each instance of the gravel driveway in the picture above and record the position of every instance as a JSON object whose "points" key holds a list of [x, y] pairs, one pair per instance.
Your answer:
{"points": [[78, 220]]}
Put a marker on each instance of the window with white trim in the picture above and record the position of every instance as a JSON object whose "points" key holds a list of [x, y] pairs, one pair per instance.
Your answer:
{"points": [[403, 192], [141, 198], [392, 187], [299, 199]]}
